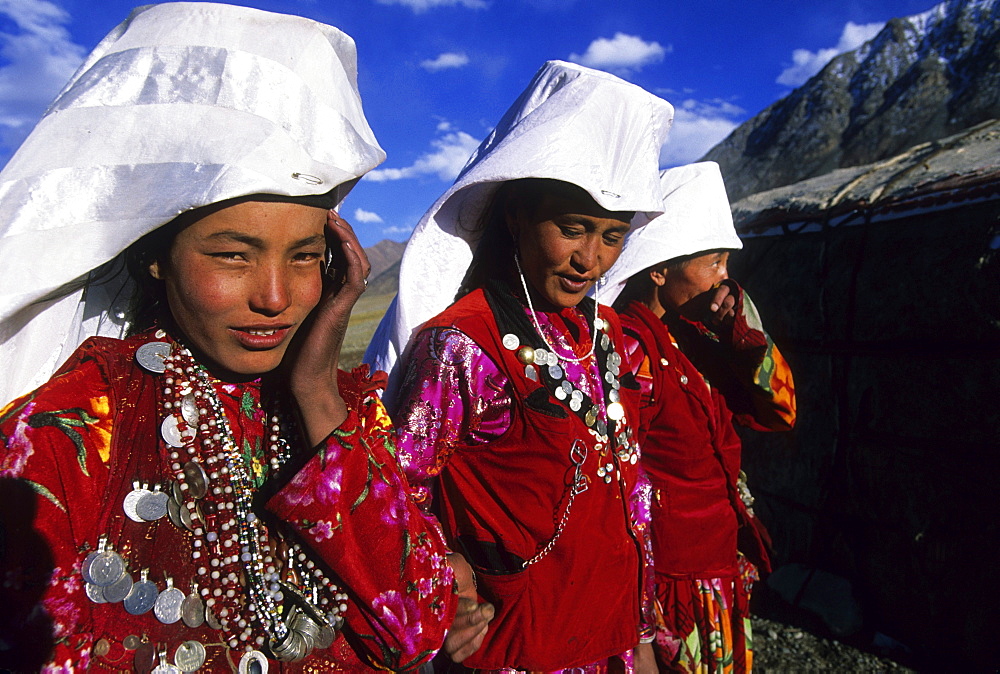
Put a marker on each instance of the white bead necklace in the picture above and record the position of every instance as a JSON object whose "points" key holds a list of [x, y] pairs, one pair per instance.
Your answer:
{"points": [[538, 327]]}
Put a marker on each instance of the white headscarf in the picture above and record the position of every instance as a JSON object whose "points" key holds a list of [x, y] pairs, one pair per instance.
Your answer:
{"points": [[696, 218], [572, 124], [180, 106]]}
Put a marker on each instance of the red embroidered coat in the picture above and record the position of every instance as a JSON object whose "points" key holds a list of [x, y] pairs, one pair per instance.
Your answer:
{"points": [[71, 451], [501, 503]]}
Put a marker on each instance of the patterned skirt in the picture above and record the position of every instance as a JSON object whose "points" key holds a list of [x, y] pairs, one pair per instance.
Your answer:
{"points": [[704, 625]]}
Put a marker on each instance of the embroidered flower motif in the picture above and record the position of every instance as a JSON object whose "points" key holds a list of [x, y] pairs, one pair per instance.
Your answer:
{"points": [[322, 530], [401, 617]]}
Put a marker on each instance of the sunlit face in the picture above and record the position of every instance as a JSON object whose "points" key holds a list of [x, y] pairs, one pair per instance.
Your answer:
{"points": [[565, 246], [240, 282], [698, 276]]}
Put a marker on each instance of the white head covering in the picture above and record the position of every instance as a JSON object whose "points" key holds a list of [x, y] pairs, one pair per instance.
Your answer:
{"points": [[696, 217], [180, 106], [572, 124]]}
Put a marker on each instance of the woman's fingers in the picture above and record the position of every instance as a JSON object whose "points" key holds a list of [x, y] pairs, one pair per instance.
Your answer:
{"points": [[349, 258], [468, 629]]}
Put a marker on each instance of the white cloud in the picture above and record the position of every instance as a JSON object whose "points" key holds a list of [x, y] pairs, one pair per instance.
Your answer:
{"points": [[698, 127], [361, 215], [445, 61], [449, 154], [423, 5], [621, 54], [396, 230], [806, 63], [39, 57]]}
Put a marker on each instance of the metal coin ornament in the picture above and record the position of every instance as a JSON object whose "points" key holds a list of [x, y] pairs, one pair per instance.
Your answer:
{"points": [[175, 431], [189, 410], [165, 666], [253, 662], [118, 590], [555, 371], [560, 393], [616, 412], [151, 356], [142, 660], [153, 505], [526, 355], [167, 607], [196, 479], [132, 499], [510, 341], [104, 566], [193, 609], [143, 595], [189, 656], [131, 642], [174, 512], [95, 593]]}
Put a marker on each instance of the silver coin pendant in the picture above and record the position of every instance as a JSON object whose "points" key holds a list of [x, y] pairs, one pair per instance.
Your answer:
{"points": [[151, 356]]}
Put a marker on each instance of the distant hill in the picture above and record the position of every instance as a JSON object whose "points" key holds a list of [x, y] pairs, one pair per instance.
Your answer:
{"points": [[382, 285], [921, 78], [383, 255]]}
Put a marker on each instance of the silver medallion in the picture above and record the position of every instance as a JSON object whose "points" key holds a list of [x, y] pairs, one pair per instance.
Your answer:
{"points": [[152, 506], [600, 323], [167, 607], [118, 590], [326, 637], [555, 371], [541, 357], [616, 412], [576, 395], [186, 520], [151, 356], [196, 479], [511, 341], [609, 377], [614, 396], [575, 404], [530, 372], [95, 593], [614, 369], [616, 384], [211, 620], [614, 359], [253, 662], [142, 597], [189, 656], [193, 610], [633, 458], [130, 501], [560, 393], [103, 567], [189, 410], [605, 341], [174, 513], [172, 433]]}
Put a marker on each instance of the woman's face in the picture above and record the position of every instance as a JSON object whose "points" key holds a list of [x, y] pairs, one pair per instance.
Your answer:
{"points": [[698, 276], [566, 245], [241, 281]]}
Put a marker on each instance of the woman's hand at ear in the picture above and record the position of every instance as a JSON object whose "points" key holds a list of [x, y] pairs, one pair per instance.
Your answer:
{"points": [[314, 358]]}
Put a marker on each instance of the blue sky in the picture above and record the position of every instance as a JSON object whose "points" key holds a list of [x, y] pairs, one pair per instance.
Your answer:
{"points": [[435, 75]]}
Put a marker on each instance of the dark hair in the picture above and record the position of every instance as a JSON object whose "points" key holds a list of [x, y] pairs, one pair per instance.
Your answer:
{"points": [[149, 299], [494, 256]]}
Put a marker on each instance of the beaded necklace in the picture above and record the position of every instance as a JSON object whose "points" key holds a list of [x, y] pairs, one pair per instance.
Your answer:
{"points": [[284, 602]]}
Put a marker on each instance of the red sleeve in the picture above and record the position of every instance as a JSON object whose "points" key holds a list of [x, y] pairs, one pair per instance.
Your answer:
{"points": [[351, 504], [55, 445]]}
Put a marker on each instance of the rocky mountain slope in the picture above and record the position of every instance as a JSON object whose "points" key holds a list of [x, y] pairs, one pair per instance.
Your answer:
{"points": [[921, 78]]}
